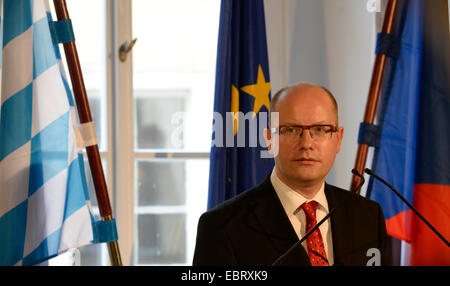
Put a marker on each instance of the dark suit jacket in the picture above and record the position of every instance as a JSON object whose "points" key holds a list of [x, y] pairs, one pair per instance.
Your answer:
{"points": [[253, 229]]}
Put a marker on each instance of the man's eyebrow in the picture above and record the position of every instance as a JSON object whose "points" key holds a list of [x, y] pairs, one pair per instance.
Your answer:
{"points": [[315, 123]]}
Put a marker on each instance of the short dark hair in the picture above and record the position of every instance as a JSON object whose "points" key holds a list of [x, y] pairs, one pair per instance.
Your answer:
{"points": [[276, 97]]}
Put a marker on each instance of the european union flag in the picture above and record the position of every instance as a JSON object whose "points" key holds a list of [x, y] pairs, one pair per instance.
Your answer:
{"points": [[242, 98]]}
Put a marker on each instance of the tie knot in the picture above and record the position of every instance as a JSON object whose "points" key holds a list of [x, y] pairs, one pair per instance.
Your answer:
{"points": [[310, 209]]}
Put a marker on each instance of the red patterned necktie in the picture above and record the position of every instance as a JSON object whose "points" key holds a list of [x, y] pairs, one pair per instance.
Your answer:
{"points": [[316, 249]]}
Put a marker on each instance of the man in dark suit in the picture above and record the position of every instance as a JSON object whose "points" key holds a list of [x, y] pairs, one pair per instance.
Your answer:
{"points": [[261, 224]]}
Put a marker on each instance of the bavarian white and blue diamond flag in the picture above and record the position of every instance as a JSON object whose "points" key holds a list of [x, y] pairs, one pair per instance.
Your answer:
{"points": [[43, 193]]}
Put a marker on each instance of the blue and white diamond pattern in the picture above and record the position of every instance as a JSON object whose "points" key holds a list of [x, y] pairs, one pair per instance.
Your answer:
{"points": [[43, 195]]}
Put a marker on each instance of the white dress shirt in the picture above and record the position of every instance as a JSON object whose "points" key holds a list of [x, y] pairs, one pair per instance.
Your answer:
{"points": [[291, 201]]}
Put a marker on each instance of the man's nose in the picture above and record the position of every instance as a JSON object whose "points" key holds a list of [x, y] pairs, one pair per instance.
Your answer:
{"points": [[305, 140]]}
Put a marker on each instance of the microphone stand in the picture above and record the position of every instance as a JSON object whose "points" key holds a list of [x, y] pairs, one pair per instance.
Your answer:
{"points": [[371, 173], [280, 259], [277, 262]]}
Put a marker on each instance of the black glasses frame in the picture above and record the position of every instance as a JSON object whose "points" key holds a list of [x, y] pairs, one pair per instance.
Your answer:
{"points": [[306, 127]]}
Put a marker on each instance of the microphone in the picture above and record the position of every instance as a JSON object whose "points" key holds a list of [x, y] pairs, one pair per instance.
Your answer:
{"points": [[356, 173], [299, 242], [372, 173]]}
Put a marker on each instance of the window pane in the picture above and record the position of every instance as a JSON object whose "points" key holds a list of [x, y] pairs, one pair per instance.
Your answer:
{"points": [[90, 39], [162, 239], [154, 112], [161, 182], [95, 104], [94, 255], [170, 187], [174, 71]]}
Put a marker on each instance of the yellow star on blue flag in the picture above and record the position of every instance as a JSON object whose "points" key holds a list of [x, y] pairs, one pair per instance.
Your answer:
{"points": [[260, 91]]}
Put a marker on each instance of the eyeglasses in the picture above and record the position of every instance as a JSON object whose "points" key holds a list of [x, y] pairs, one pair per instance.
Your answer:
{"points": [[317, 132]]}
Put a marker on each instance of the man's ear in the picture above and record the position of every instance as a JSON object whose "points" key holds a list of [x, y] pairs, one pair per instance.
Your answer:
{"points": [[340, 135]]}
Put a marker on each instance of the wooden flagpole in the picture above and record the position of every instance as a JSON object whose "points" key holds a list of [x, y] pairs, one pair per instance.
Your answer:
{"points": [[84, 114], [374, 92]]}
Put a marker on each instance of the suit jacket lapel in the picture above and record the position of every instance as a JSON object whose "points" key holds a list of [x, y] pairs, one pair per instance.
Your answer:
{"points": [[276, 225]]}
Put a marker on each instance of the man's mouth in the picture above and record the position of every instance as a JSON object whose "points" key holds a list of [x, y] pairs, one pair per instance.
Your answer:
{"points": [[306, 160]]}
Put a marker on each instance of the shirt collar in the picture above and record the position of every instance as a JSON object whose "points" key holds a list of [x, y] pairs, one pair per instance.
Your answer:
{"points": [[291, 200]]}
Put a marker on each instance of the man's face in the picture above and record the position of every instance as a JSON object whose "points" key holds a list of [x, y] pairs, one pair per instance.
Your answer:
{"points": [[302, 160]]}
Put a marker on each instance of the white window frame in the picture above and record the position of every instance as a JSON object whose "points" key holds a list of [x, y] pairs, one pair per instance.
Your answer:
{"points": [[122, 155]]}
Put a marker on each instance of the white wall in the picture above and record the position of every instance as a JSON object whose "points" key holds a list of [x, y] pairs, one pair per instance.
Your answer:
{"points": [[279, 24], [350, 34], [332, 43]]}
